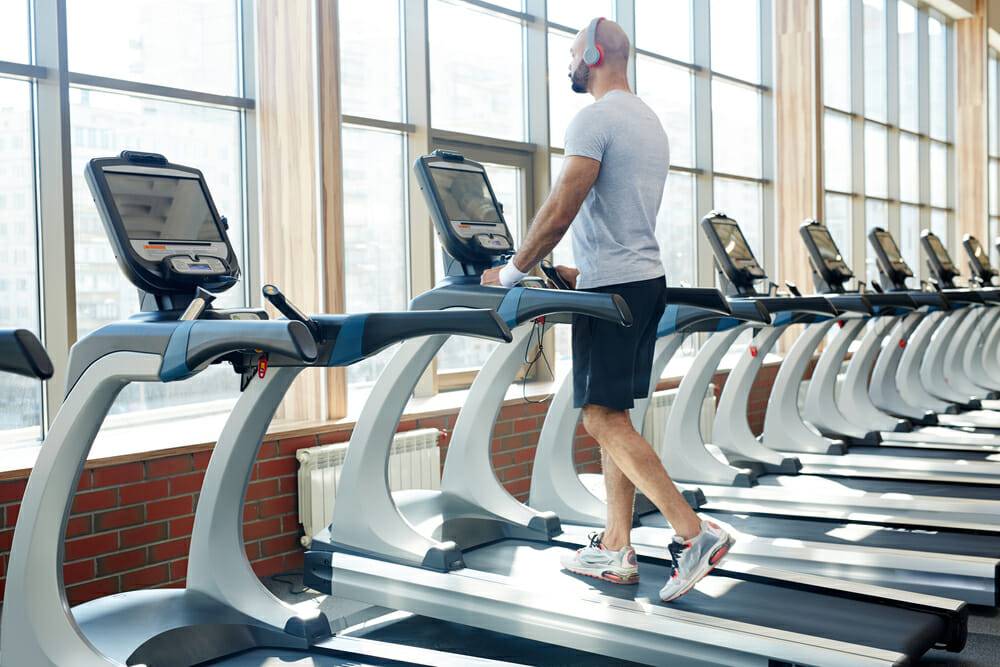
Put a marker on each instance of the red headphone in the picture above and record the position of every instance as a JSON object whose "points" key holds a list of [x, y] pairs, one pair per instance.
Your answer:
{"points": [[593, 55]]}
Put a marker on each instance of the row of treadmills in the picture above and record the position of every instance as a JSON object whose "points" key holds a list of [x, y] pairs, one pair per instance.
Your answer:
{"points": [[867, 514]]}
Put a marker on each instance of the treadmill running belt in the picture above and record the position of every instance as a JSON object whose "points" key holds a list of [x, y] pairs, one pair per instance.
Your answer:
{"points": [[919, 453], [970, 491], [859, 535], [456, 638], [825, 616]]}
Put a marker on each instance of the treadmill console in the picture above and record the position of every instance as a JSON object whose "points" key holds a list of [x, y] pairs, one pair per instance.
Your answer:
{"points": [[467, 217], [830, 271], [979, 260], [166, 234], [891, 264], [737, 265], [938, 260]]}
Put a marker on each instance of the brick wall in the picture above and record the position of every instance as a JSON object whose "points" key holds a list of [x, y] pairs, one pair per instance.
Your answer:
{"points": [[131, 523]]}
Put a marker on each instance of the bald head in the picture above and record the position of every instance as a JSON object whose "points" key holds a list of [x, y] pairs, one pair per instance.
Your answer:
{"points": [[612, 40], [610, 73]]}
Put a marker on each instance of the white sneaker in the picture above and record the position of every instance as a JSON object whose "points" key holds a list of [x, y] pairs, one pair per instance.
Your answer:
{"points": [[694, 558], [618, 567]]}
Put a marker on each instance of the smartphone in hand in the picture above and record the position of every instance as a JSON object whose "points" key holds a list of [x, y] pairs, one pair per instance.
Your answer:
{"points": [[550, 272]]}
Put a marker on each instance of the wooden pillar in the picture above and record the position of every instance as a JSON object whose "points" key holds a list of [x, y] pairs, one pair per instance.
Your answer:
{"points": [[798, 119], [300, 175], [331, 203], [971, 158]]}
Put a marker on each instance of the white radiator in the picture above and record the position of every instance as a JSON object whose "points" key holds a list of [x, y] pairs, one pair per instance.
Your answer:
{"points": [[414, 463], [659, 408]]}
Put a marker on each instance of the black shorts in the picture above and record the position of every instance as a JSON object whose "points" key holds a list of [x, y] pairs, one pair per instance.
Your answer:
{"points": [[612, 363]]}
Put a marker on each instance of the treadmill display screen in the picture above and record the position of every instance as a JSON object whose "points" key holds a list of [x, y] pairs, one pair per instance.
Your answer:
{"points": [[734, 243], [979, 254], [465, 195], [167, 209], [889, 247], [827, 248], [940, 253]]}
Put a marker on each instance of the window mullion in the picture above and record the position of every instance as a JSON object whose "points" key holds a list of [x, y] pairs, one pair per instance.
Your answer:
{"points": [[55, 196], [858, 237], [704, 193], [251, 156], [416, 42], [768, 141]]}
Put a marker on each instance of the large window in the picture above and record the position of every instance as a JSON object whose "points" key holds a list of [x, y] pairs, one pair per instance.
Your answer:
{"points": [[141, 46], [14, 31], [489, 79], [717, 79], [477, 70], [164, 76], [887, 143], [20, 398]]}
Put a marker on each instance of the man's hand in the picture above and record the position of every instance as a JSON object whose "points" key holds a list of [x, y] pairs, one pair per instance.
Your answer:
{"points": [[568, 274], [491, 276]]}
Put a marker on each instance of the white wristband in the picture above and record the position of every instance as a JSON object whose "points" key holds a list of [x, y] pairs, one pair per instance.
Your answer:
{"points": [[510, 275]]}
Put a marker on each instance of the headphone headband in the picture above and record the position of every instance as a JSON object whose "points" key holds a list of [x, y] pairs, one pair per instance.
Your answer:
{"points": [[593, 54]]}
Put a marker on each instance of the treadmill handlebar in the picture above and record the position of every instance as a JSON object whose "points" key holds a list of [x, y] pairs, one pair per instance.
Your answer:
{"points": [[900, 300], [187, 345], [933, 299], [208, 340], [347, 339], [811, 305], [517, 305], [989, 296], [535, 302], [702, 298], [962, 295], [690, 319], [851, 303], [23, 354], [750, 310]]}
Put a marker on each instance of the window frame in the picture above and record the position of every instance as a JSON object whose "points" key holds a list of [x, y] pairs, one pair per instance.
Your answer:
{"points": [[859, 198], [51, 78]]}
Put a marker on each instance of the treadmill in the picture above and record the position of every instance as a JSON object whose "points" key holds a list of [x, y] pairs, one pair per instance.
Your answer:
{"points": [[731, 431], [473, 554], [964, 373], [935, 501], [785, 429], [172, 244], [983, 274], [902, 558], [916, 347], [862, 553]]}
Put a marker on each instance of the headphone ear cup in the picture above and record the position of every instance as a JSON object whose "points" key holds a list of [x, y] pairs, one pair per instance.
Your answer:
{"points": [[593, 56]]}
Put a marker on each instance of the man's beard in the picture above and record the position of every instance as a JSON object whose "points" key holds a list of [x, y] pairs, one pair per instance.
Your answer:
{"points": [[580, 77]]}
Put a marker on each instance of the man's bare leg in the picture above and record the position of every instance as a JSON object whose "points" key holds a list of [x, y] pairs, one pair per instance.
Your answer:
{"points": [[634, 460], [620, 493]]}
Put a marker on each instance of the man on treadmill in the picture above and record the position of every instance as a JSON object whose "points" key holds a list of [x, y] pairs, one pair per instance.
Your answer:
{"points": [[609, 192]]}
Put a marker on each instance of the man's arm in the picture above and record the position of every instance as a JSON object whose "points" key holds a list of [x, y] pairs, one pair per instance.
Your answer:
{"points": [[554, 217]]}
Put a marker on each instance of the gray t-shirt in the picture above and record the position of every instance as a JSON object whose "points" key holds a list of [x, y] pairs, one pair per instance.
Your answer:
{"points": [[613, 235]]}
